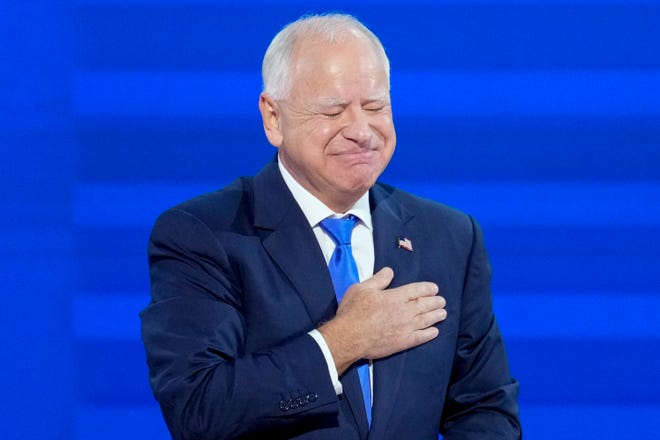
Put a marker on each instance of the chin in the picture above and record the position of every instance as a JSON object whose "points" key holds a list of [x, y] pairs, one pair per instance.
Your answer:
{"points": [[358, 185]]}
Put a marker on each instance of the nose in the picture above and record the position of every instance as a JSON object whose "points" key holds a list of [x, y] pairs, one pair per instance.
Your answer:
{"points": [[357, 128]]}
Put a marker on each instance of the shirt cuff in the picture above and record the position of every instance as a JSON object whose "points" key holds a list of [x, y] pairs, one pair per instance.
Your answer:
{"points": [[332, 368]]}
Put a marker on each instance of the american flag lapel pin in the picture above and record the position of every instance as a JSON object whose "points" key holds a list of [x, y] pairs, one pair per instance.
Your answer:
{"points": [[404, 243]]}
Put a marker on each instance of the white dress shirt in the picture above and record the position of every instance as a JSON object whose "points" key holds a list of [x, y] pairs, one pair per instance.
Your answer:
{"points": [[362, 245]]}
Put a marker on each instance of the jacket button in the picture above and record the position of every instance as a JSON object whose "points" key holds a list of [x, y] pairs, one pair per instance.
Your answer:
{"points": [[302, 400], [311, 396], [293, 403], [284, 405]]}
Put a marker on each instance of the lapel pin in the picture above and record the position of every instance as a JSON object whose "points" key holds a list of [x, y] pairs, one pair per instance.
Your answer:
{"points": [[404, 243]]}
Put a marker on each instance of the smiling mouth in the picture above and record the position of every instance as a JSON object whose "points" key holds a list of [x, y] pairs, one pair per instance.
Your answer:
{"points": [[357, 157], [357, 152]]}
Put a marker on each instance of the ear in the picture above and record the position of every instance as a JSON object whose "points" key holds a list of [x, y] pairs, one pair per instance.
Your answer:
{"points": [[270, 115]]}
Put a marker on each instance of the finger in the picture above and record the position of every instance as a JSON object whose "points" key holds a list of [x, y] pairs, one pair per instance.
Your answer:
{"points": [[428, 319], [380, 280], [428, 304], [420, 337], [432, 302], [420, 289]]}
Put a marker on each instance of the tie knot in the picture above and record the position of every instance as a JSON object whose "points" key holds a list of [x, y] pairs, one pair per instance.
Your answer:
{"points": [[339, 229]]}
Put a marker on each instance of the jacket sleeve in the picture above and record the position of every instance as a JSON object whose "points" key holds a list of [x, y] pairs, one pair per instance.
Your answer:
{"points": [[482, 396], [194, 333]]}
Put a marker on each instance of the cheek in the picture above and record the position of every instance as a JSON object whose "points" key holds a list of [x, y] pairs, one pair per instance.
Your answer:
{"points": [[385, 128], [324, 131], [324, 139]]}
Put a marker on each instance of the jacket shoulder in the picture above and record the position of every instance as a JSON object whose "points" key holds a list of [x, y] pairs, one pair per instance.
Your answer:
{"points": [[220, 209], [425, 208]]}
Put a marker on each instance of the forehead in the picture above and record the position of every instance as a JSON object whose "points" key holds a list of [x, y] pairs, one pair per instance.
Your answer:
{"points": [[352, 62]]}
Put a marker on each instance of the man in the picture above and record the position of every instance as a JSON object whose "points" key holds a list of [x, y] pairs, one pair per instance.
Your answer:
{"points": [[251, 333]]}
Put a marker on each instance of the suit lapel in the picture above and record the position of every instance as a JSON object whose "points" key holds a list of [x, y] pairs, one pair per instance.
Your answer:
{"points": [[390, 222], [291, 243], [289, 240]]}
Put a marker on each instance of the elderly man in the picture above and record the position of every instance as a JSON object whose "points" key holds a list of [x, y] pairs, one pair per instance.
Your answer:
{"points": [[311, 301]]}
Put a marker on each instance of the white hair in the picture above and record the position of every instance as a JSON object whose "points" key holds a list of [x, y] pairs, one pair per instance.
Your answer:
{"points": [[331, 28]]}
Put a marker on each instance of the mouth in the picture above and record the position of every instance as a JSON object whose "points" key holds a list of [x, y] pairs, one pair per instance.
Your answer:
{"points": [[356, 158], [361, 155]]}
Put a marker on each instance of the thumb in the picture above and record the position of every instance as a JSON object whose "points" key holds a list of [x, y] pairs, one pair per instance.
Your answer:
{"points": [[381, 279]]}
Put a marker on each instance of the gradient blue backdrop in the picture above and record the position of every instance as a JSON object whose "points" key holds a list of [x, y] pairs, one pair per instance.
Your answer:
{"points": [[539, 117]]}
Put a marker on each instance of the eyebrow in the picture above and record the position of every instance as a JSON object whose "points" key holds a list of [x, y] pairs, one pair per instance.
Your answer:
{"points": [[378, 98], [383, 99], [332, 102], [335, 102]]}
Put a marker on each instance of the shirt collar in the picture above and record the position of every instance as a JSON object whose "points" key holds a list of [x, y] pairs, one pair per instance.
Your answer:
{"points": [[315, 210]]}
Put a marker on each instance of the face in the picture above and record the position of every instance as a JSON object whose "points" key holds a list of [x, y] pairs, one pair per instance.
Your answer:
{"points": [[334, 131]]}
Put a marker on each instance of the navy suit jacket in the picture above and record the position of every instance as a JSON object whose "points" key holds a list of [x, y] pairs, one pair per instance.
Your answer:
{"points": [[238, 280]]}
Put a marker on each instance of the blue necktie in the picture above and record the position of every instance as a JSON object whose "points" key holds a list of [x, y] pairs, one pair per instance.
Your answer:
{"points": [[344, 273]]}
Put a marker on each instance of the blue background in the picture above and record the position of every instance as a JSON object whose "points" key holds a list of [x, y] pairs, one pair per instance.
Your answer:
{"points": [[541, 118]]}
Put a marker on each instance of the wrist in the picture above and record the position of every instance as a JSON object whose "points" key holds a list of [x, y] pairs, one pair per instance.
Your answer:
{"points": [[342, 345]]}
